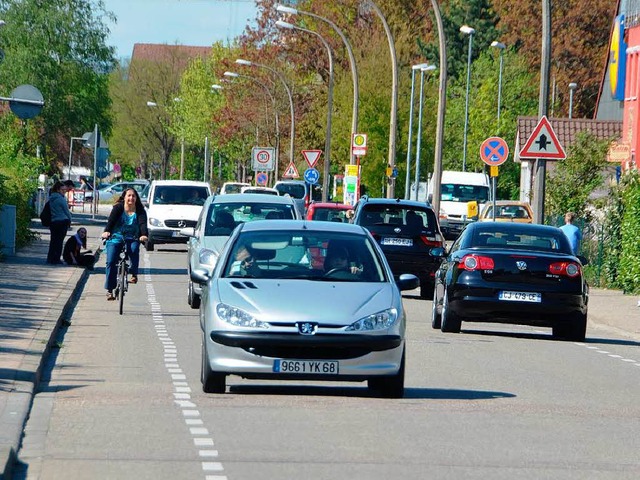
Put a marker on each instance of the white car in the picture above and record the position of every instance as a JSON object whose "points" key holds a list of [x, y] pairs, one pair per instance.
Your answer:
{"points": [[265, 190], [173, 205], [220, 215]]}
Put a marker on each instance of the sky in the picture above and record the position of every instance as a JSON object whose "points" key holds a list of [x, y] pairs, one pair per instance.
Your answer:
{"points": [[186, 22]]}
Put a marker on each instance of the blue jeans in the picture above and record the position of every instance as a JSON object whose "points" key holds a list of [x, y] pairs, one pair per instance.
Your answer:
{"points": [[113, 256]]}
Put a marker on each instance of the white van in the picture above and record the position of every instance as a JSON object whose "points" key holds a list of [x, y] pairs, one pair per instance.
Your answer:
{"points": [[173, 205], [456, 189]]}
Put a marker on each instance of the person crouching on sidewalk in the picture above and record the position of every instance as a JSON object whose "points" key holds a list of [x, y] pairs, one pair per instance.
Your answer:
{"points": [[75, 250]]}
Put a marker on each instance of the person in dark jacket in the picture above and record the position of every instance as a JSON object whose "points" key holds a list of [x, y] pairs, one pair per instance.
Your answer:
{"points": [[127, 225], [75, 250], [60, 221]]}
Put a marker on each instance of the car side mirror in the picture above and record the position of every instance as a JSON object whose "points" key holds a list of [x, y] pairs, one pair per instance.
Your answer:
{"points": [[438, 252], [407, 281], [200, 276], [583, 260]]}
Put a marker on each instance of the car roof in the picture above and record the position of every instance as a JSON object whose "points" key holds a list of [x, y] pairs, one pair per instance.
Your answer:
{"points": [[306, 225], [394, 201], [250, 198], [181, 183], [334, 205], [534, 228], [509, 202]]}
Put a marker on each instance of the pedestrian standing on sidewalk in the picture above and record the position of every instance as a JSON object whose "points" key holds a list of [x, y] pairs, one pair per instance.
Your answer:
{"points": [[60, 222], [75, 250], [127, 225], [572, 232]]}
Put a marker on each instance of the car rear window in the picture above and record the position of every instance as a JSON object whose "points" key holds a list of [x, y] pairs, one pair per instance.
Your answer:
{"points": [[218, 214], [398, 215], [293, 189], [497, 239], [330, 214]]}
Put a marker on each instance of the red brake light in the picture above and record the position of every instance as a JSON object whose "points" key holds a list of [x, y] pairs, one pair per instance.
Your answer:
{"points": [[476, 262], [435, 241], [568, 269]]}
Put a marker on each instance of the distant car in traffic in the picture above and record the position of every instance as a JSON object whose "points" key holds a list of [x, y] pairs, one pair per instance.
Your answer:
{"points": [[507, 211], [258, 189], [512, 273], [408, 233], [267, 314], [111, 193], [233, 187], [220, 215], [328, 211]]}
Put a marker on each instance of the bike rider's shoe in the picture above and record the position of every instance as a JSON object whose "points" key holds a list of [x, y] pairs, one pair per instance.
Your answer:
{"points": [[110, 295], [134, 279]]}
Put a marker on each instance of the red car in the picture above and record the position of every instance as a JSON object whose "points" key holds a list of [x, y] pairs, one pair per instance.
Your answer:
{"points": [[328, 212]]}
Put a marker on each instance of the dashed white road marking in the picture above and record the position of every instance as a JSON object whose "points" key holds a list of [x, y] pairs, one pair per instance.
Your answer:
{"points": [[610, 355], [182, 391]]}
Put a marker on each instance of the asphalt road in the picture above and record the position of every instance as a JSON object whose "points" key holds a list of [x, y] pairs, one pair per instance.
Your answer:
{"points": [[122, 399]]}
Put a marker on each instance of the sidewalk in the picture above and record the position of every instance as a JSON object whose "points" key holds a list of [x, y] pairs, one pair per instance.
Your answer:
{"points": [[35, 299]]}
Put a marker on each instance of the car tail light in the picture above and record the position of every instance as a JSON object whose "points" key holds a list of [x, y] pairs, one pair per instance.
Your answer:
{"points": [[569, 269], [476, 262], [435, 241]]}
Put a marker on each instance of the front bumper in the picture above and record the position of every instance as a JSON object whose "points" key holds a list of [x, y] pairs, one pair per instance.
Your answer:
{"points": [[252, 355], [166, 235]]}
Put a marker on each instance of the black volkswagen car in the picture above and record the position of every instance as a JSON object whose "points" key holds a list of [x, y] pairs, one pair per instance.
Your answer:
{"points": [[408, 233], [512, 273]]}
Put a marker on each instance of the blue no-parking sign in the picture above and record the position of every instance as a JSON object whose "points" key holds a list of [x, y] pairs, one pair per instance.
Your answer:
{"points": [[494, 151]]}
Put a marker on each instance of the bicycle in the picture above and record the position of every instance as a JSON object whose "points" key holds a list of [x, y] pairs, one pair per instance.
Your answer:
{"points": [[122, 278]]}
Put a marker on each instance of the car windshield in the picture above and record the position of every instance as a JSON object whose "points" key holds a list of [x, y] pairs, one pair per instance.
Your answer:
{"points": [[296, 190], [222, 218], [304, 255], [545, 241], [395, 216], [180, 195], [508, 211], [451, 192]]}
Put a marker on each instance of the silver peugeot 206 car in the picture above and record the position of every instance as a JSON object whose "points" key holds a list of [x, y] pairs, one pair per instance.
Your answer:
{"points": [[299, 300]]}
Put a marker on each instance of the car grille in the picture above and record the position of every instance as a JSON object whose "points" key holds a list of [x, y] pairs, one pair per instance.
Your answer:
{"points": [[305, 352], [180, 223]]}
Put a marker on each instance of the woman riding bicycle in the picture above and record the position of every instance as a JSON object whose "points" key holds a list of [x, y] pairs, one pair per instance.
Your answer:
{"points": [[127, 225]]}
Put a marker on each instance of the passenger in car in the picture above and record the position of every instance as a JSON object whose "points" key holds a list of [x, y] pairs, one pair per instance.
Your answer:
{"points": [[337, 259]]}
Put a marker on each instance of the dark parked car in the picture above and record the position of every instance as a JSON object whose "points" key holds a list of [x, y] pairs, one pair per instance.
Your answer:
{"points": [[408, 233], [512, 273]]}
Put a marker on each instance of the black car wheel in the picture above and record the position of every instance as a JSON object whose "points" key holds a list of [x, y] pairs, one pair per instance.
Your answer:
{"points": [[192, 297], [212, 382], [150, 246], [450, 321], [391, 386], [436, 318], [574, 330]]}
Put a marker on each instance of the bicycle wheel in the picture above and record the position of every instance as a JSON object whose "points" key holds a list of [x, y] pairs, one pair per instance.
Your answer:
{"points": [[122, 282]]}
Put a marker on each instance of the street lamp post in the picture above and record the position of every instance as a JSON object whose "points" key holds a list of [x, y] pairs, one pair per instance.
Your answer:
{"points": [[327, 140], [352, 64], [500, 46], [407, 185], [71, 155], [240, 61], [426, 68], [393, 120], [467, 30], [572, 88], [273, 103]]}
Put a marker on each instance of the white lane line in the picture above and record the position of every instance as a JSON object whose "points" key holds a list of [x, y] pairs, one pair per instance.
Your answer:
{"points": [[182, 391], [612, 355]]}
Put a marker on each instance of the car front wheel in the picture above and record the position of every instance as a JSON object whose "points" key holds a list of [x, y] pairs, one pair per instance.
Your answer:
{"points": [[391, 386], [212, 382], [192, 297], [436, 318]]}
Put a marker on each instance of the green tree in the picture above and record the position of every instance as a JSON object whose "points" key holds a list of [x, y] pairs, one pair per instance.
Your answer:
{"points": [[60, 48], [572, 181]]}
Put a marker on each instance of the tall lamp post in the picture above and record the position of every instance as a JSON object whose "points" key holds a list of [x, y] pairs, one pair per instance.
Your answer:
{"points": [[572, 88], [273, 103], [393, 114], [425, 68], [407, 185], [467, 30], [327, 139], [71, 155], [240, 61], [500, 46], [352, 63]]}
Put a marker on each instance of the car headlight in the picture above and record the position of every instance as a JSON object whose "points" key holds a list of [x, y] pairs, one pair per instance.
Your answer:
{"points": [[207, 257], [155, 222], [377, 321], [238, 317]]}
